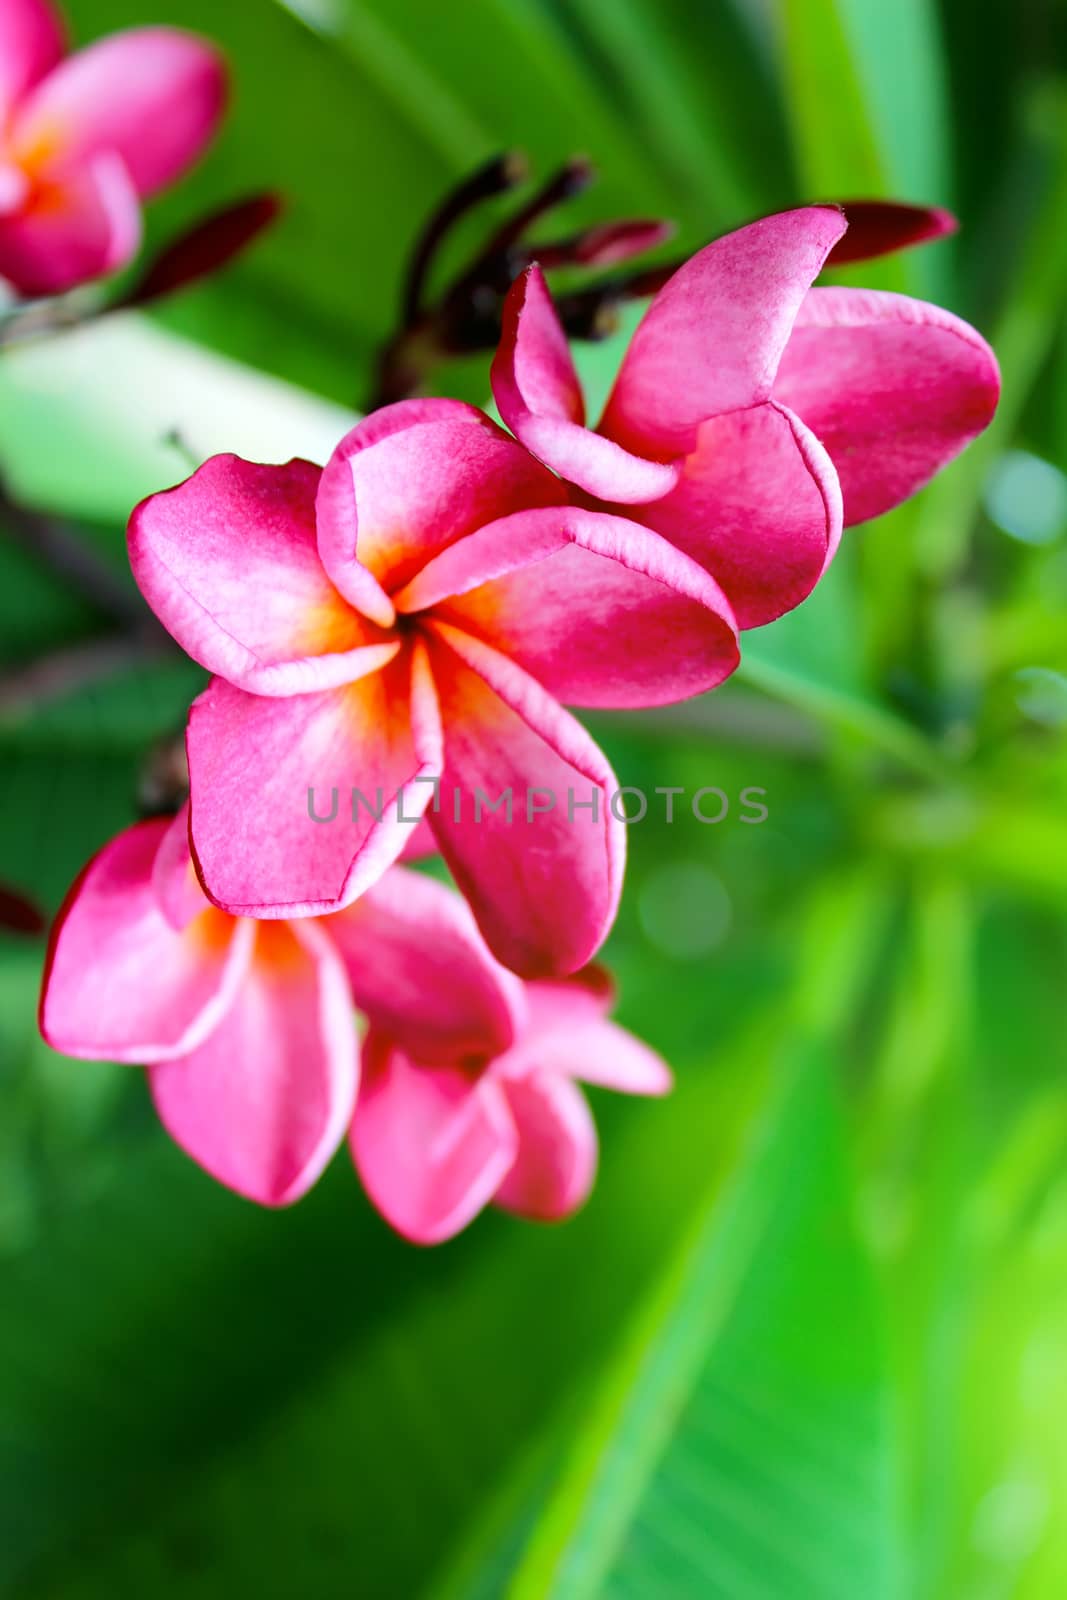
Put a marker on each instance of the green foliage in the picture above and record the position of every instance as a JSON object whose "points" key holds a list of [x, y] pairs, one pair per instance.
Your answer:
{"points": [[806, 1340], [752, 1377]]}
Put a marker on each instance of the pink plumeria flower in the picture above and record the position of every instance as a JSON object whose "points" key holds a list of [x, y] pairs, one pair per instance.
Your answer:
{"points": [[406, 623], [85, 138], [436, 1141], [248, 1028], [753, 415], [248, 1031]]}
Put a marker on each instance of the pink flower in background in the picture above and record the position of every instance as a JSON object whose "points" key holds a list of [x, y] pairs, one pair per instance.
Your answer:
{"points": [[85, 138], [435, 1142], [407, 622], [754, 415], [248, 1032]]}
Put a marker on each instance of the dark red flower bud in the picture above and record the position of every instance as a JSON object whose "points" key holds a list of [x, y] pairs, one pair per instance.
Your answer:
{"points": [[205, 249], [878, 227], [19, 915], [603, 246]]}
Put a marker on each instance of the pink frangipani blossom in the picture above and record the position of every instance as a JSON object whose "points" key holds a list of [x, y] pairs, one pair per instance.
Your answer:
{"points": [[248, 1031], [407, 622], [246, 1028], [85, 138], [754, 415], [436, 1142]]}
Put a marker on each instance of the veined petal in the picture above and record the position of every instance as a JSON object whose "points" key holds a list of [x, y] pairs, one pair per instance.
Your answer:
{"points": [[228, 561], [421, 974], [78, 226], [539, 396], [430, 1144], [121, 983], [410, 480], [32, 41], [599, 610], [713, 336], [542, 876], [894, 388], [759, 505], [153, 96], [556, 1162], [299, 805], [264, 1103]]}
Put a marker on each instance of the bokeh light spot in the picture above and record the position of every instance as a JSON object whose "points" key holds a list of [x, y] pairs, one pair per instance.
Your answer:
{"points": [[1027, 497], [684, 910]]}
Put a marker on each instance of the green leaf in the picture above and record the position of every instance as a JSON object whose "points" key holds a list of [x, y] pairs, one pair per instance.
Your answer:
{"points": [[869, 722], [93, 420], [353, 1396], [753, 1375], [1043, 697], [57, 808], [832, 127], [54, 1149], [696, 80], [1022, 336], [864, 87]]}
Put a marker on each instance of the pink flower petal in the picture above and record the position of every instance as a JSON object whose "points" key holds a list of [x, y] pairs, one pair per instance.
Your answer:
{"points": [[568, 1035], [421, 973], [228, 561], [430, 1144], [539, 397], [601, 612], [580, 998], [533, 365], [79, 226], [544, 886], [121, 983], [258, 767], [556, 1162], [613, 1058], [759, 506], [174, 879], [712, 338], [893, 387], [15, 188], [265, 1102], [421, 842], [32, 41], [153, 96], [410, 480], [566, 1041]]}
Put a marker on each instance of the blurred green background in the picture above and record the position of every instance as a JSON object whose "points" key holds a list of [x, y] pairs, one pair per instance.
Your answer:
{"points": [[806, 1341]]}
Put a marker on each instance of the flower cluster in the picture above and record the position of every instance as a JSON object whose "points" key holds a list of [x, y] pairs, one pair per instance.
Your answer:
{"points": [[408, 624], [467, 1093]]}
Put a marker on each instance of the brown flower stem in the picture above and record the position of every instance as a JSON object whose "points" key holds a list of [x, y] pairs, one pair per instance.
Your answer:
{"points": [[51, 543], [503, 172], [52, 677], [137, 636]]}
